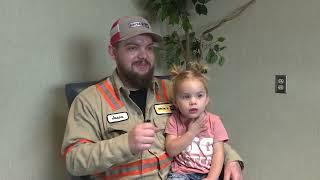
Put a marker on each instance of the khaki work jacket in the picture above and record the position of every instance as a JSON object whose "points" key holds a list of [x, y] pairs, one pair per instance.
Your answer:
{"points": [[96, 136]]}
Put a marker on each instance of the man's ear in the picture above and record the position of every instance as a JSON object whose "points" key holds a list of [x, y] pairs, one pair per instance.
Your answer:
{"points": [[112, 51]]}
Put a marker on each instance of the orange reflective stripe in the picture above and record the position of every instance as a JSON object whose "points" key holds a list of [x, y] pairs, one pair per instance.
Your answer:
{"points": [[138, 172], [163, 156], [132, 173], [164, 165], [137, 163], [164, 90], [105, 96], [111, 90], [158, 96], [109, 95], [139, 167], [70, 147], [142, 161]]}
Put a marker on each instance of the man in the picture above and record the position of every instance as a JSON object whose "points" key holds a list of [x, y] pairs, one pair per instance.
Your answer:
{"points": [[115, 129]]}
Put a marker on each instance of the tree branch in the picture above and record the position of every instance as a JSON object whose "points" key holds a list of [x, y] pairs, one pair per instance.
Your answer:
{"points": [[235, 13]]}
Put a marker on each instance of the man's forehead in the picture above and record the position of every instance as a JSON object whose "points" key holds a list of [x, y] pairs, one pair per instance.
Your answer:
{"points": [[143, 39]]}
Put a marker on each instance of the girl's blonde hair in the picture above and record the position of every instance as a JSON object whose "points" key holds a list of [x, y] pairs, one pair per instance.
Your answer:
{"points": [[178, 75]]}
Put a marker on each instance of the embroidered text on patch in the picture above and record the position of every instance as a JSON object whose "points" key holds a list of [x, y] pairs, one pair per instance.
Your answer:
{"points": [[138, 24], [164, 108], [117, 117]]}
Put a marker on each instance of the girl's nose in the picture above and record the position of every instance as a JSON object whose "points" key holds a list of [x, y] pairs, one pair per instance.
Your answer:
{"points": [[193, 100]]}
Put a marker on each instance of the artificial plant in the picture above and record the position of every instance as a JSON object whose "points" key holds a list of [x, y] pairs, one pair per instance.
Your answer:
{"points": [[183, 45]]}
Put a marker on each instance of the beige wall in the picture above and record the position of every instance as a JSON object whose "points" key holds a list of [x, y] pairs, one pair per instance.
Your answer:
{"points": [[277, 134], [45, 44]]}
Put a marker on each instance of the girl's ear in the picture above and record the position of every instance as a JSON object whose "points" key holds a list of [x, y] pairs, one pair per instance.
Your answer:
{"points": [[207, 100], [174, 102]]}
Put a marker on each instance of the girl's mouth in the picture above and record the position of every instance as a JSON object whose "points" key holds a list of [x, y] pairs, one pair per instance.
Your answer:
{"points": [[193, 110]]}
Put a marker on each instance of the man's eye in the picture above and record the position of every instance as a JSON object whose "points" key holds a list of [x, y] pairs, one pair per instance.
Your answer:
{"points": [[150, 48], [132, 48]]}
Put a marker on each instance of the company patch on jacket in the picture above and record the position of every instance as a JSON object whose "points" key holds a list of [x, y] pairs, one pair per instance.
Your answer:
{"points": [[117, 117], [164, 108]]}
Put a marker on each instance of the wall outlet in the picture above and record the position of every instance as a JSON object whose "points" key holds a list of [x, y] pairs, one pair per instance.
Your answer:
{"points": [[281, 84]]}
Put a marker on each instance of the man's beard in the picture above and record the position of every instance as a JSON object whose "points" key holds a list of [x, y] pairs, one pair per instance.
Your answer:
{"points": [[136, 80]]}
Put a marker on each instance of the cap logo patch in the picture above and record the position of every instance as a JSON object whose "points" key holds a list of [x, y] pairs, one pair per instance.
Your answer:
{"points": [[138, 24]]}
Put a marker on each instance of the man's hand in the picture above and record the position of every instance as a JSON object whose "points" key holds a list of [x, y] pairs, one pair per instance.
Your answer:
{"points": [[232, 171], [141, 137]]}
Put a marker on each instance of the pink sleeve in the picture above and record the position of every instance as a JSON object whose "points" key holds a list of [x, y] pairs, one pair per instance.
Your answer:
{"points": [[219, 132], [171, 127]]}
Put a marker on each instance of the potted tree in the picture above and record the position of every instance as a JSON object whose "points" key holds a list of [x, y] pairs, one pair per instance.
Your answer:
{"points": [[182, 45]]}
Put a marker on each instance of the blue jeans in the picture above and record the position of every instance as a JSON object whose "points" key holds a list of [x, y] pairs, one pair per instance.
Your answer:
{"points": [[191, 176]]}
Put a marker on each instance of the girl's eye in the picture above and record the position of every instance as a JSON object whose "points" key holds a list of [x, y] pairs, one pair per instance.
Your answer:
{"points": [[200, 95], [185, 96]]}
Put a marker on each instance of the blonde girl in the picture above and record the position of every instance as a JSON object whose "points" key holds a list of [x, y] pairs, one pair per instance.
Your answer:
{"points": [[194, 137]]}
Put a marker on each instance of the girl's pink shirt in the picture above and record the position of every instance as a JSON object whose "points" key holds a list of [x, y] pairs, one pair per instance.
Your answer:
{"points": [[197, 157]]}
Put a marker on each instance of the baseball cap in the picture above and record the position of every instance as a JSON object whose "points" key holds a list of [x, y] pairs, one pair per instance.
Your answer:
{"points": [[130, 26]]}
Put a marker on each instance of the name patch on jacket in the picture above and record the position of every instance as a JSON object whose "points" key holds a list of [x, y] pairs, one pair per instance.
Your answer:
{"points": [[164, 108], [117, 117]]}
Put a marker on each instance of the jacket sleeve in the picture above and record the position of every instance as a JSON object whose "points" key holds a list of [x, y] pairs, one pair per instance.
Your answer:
{"points": [[85, 151], [232, 155]]}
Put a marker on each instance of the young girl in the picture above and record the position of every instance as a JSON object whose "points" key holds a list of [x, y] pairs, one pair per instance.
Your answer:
{"points": [[194, 137]]}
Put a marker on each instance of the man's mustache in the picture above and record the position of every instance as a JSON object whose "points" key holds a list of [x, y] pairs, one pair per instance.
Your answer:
{"points": [[142, 62]]}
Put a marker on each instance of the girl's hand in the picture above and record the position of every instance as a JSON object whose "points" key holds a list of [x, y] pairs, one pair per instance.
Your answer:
{"points": [[197, 125]]}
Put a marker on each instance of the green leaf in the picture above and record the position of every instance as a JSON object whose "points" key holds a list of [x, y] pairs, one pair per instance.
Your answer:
{"points": [[172, 55], [173, 19], [208, 37], [194, 2], [221, 60], [179, 4], [222, 48], [196, 45], [186, 24], [221, 39], [204, 10], [192, 35], [163, 13], [192, 38], [201, 9], [216, 47], [211, 57], [203, 1], [184, 42], [175, 36], [198, 9], [171, 10], [198, 55], [215, 57]]}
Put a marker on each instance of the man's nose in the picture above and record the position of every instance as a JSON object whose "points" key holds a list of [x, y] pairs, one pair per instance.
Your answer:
{"points": [[142, 54]]}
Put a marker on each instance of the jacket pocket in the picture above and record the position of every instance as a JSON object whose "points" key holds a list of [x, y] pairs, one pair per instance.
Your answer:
{"points": [[111, 132]]}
